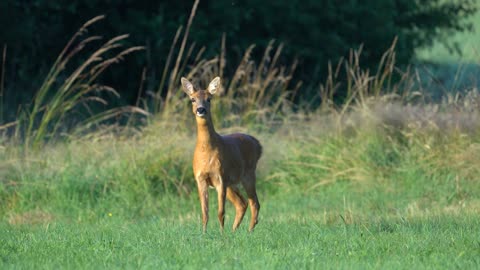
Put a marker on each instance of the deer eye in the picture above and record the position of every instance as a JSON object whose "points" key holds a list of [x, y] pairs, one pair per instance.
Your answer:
{"points": [[208, 100], [193, 100]]}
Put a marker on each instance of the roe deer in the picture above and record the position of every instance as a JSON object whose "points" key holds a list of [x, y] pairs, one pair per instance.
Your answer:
{"points": [[222, 162]]}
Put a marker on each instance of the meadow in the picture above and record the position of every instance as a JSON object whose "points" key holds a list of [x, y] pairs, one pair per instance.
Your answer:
{"points": [[388, 179]]}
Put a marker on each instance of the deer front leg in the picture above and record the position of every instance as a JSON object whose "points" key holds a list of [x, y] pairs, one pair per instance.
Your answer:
{"points": [[222, 192], [203, 195]]}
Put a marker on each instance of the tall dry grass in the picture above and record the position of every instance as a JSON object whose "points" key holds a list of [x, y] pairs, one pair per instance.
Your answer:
{"points": [[257, 92], [66, 89], [386, 129]]}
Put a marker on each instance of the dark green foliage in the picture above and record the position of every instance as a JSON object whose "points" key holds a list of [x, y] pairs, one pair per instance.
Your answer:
{"points": [[314, 31]]}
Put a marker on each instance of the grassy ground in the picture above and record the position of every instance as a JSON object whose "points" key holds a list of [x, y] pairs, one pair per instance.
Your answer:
{"points": [[361, 198], [280, 242]]}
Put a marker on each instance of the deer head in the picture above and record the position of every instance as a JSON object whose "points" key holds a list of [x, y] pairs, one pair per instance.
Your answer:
{"points": [[200, 98]]}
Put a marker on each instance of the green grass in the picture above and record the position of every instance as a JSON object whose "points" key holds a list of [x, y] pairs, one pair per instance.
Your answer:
{"points": [[279, 242], [371, 198]]}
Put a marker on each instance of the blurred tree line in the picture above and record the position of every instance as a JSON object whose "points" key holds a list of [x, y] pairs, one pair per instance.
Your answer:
{"points": [[314, 31]]}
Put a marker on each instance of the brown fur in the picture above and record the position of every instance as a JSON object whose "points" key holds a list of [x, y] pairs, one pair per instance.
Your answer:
{"points": [[223, 162]]}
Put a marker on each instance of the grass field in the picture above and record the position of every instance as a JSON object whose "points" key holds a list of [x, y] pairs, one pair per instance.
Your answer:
{"points": [[280, 242], [389, 180], [364, 200]]}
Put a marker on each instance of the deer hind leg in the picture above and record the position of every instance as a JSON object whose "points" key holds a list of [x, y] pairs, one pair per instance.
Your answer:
{"points": [[234, 196], [203, 194], [249, 185]]}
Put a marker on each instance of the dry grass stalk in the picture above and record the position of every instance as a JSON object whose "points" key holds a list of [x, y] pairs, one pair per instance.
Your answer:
{"points": [[52, 103]]}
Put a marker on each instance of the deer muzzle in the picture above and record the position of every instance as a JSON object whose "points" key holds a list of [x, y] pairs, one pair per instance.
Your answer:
{"points": [[201, 111]]}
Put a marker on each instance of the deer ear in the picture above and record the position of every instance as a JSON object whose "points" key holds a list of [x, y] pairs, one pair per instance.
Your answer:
{"points": [[187, 86], [214, 85]]}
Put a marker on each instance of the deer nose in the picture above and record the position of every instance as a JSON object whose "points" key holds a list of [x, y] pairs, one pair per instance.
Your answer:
{"points": [[201, 111]]}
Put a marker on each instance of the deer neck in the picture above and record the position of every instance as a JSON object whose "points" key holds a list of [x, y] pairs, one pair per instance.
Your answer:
{"points": [[207, 137]]}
